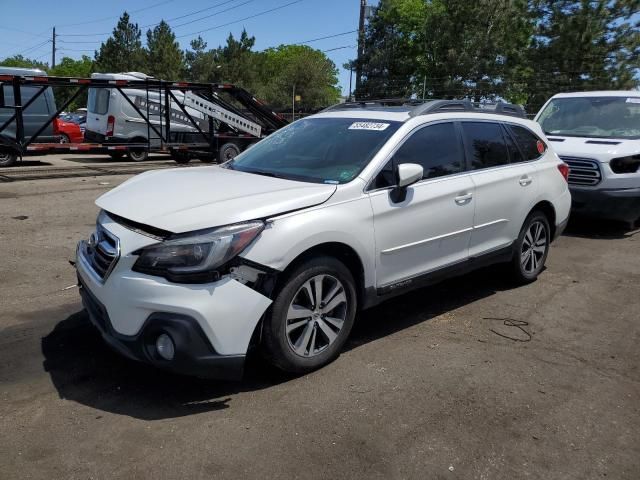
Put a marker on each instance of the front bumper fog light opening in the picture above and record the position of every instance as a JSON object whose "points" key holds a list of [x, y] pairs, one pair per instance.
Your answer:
{"points": [[165, 347]]}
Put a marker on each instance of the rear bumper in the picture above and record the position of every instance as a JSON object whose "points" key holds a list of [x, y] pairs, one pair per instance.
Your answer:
{"points": [[194, 354], [616, 204]]}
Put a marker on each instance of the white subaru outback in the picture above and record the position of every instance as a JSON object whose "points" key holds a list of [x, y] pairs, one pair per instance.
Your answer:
{"points": [[598, 135], [283, 245]]}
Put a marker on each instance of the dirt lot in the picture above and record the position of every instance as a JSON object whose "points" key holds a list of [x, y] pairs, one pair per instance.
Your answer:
{"points": [[429, 387]]}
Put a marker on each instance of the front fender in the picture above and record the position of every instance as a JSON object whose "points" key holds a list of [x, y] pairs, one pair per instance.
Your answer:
{"points": [[287, 237]]}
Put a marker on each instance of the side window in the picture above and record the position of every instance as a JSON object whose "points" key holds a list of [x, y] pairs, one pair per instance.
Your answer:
{"points": [[8, 96], [435, 147], [514, 152], [39, 105], [98, 101], [486, 144], [531, 146]]}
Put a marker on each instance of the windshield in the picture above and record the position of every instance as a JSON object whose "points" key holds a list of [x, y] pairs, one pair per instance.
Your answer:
{"points": [[320, 150], [601, 117]]}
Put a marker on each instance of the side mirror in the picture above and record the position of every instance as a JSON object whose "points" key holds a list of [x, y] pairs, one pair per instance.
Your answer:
{"points": [[408, 174]]}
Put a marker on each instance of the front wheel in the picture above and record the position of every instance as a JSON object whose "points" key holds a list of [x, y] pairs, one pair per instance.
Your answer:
{"points": [[138, 155], [311, 317], [228, 151], [64, 138], [531, 248]]}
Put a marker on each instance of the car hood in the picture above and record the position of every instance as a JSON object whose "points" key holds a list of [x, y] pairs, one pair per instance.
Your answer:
{"points": [[186, 199], [596, 148]]}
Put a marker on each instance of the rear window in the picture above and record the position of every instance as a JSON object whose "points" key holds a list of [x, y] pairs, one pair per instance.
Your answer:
{"points": [[98, 100], [527, 141], [485, 143]]}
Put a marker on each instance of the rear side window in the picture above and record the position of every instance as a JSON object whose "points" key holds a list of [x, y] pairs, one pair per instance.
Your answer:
{"points": [[485, 143], [530, 145], [436, 148], [514, 152], [98, 101]]}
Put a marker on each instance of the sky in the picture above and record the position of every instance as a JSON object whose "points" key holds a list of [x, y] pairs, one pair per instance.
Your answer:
{"points": [[81, 25]]}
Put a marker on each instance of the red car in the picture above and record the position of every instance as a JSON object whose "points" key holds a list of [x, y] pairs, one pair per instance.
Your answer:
{"points": [[68, 132]]}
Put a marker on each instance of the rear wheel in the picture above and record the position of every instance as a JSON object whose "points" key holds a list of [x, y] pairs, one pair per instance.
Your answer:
{"points": [[138, 154], [311, 317], [532, 248], [7, 159], [64, 138], [228, 151]]}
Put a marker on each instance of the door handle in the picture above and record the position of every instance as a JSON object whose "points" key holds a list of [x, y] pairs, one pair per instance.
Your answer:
{"points": [[525, 180], [464, 199]]}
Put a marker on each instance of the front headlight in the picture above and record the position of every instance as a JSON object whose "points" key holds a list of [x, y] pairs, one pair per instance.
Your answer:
{"points": [[194, 257]]}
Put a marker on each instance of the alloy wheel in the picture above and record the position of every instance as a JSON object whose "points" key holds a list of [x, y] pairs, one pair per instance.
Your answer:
{"points": [[316, 315], [534, 247]]}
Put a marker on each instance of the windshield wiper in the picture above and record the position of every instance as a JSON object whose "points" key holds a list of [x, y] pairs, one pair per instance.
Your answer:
{"points": [[264, 173]]}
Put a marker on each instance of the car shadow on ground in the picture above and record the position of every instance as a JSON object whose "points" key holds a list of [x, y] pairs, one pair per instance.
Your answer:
{"points": [[596, 228], [107, 159], [26, 162], [84, 369]]}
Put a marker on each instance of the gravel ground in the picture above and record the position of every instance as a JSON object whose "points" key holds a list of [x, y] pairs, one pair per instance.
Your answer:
{"points": [[429, 385]]}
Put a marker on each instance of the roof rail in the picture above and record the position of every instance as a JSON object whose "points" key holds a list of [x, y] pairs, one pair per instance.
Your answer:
{"points": [[374, 102], [441, 106]]}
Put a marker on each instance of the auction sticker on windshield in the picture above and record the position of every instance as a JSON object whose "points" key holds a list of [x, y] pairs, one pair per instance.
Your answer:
{"points": [[369, 126]]}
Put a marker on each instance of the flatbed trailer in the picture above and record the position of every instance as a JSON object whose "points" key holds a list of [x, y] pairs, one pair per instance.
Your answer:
{"points": [[236, 119]]}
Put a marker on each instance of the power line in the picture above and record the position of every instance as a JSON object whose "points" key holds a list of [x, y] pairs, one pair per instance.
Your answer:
{"points": [[168, 20], [98, 20], [211, 15], [241, 19], [339, 48], [324, 38]]}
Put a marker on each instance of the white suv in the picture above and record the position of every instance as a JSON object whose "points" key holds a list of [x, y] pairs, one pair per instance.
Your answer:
{"points": [[334, 213], [598, 135]]}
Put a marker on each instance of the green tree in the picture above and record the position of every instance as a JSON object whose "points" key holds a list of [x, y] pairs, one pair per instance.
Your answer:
{"points": [[68, 67], [164, 57], [583, 45], [198, 62], [122, 52], [445, 48], [236, 62], [18, 61], [309, 71]]}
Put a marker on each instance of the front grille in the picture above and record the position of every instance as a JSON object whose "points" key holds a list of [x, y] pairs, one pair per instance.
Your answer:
{"points": [[583, 171], [102, 252]]}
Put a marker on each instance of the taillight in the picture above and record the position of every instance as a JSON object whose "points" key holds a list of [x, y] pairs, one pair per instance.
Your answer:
{"points": [[564, 171], [111, 125]]}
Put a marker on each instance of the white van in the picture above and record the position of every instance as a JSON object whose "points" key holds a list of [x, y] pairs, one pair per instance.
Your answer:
{"points": [[112, 119], [598, 135]]}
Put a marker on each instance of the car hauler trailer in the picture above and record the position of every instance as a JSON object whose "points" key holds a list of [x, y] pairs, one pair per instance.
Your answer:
{"points": [[185, 119]]}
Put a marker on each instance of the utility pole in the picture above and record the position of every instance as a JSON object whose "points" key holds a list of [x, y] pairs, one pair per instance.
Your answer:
{"points": [[363, 9], [53, 49]]}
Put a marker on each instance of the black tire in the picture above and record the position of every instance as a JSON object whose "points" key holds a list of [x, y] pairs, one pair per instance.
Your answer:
{"points": [[138, 154], [116, 155], [227, 152], [7, 159], [277, 343], [528, 261], [181, 157]]}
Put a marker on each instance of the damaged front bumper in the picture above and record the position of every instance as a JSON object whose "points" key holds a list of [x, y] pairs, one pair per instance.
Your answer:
{"points": [[210, 325]]}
